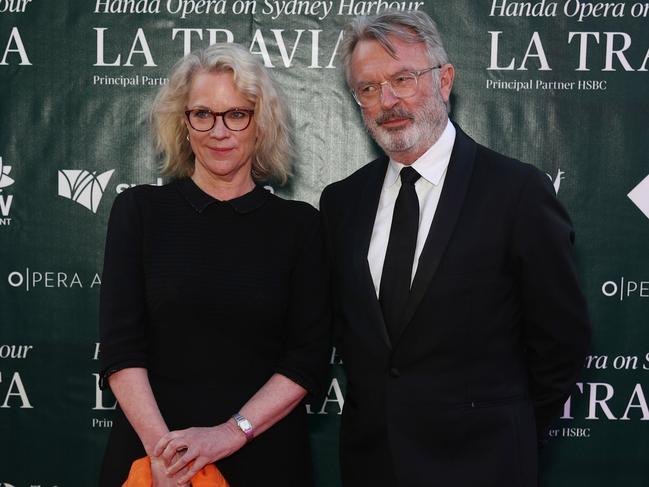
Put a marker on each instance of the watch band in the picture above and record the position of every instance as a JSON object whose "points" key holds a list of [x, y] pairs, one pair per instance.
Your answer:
{"points": [[245, 426]]}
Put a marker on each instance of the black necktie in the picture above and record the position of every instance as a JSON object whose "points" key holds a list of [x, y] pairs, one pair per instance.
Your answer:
{"points": [[399, 256]]}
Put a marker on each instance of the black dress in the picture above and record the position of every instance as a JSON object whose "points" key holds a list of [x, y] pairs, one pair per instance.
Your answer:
{"points": [[213, 298]]}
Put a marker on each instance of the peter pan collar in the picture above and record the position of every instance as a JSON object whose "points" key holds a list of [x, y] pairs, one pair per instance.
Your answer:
{"points": [[199, 200]]}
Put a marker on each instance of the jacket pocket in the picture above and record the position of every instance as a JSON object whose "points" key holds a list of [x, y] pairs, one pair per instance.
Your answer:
{"points": [[495, 402]]}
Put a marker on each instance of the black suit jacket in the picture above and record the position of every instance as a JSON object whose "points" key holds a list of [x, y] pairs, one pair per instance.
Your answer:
{"points": [[492, 339]]}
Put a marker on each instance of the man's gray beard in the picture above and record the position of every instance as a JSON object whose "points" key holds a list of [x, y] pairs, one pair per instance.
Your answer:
{"points": [[428, 124]]}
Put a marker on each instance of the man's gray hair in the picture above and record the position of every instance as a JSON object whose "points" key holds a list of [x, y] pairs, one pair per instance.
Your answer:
{"points": [[410, 26]]}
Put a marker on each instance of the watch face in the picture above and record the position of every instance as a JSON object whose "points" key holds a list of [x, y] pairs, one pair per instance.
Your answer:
{"points": [[245, 426]]}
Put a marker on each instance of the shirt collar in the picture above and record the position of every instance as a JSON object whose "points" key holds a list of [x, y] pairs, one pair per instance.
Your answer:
{"points": [[199, 200], [432, 164]]}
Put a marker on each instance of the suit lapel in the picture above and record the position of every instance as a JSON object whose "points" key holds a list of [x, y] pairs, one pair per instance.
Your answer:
{"points": [[448, 210], [364, 224]]}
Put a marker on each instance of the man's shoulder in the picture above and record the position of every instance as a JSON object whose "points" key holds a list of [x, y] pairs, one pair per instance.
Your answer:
{"points": [[489, 160], [494, 165], [356, 180]]}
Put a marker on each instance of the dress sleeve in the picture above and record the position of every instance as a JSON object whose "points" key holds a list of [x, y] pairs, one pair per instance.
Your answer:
{"points": [[556, 325], [305, 360], [122, 323], [327, 216]]}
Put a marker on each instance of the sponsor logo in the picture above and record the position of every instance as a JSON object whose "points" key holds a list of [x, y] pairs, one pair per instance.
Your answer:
{"points": [[6, 200], [570, 432], [88, 188], [640, 196], [556, 182], [625, 288], [83, 187], [30, 279], [124, 186], [5, 180]]}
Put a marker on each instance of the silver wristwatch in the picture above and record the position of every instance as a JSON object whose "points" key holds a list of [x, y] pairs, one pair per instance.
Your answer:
{"points": [[245, 426]]}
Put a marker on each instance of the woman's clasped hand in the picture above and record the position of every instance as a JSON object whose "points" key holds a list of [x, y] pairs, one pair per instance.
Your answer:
{"points": [[184, 453]]}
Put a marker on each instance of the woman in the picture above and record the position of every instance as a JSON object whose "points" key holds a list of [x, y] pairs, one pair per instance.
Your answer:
{"points": [[213, 315]]}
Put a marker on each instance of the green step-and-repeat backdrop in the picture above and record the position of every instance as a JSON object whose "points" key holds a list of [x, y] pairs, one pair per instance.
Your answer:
{"points": [[563, 85]]}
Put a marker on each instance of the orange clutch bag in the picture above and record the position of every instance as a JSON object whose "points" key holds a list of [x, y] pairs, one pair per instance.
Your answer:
{"points": [[140, 476]]}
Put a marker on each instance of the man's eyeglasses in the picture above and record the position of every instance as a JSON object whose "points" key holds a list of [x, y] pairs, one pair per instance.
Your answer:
{"points": [[402, 85], [203, 120]]}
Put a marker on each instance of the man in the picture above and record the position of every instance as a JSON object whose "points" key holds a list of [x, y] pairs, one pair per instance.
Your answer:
{"points": [[461, 319]]}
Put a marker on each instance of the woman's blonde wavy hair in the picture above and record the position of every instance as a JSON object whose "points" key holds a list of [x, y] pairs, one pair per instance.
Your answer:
{"points": [[274, 148]]}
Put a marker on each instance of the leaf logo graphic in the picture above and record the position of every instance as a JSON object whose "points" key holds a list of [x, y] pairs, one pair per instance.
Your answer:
{"points": [[83, 187]]}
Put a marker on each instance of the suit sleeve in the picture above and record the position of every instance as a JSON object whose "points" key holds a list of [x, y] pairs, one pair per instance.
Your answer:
{"points": [[556, 327], [122, 314]]}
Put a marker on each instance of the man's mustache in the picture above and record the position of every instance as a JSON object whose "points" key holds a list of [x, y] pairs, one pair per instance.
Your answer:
{"points": [[394, 113]]}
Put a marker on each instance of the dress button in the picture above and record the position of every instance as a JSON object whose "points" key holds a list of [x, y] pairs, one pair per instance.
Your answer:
{"points": [[394, 372]]}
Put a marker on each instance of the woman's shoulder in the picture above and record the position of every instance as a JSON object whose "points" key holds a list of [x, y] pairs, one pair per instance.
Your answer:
{"points": [[294, 208], [144, 200], [146, 192]]}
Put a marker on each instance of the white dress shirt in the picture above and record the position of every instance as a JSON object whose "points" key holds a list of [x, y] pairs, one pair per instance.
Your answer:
{"points": [[432, 167]]}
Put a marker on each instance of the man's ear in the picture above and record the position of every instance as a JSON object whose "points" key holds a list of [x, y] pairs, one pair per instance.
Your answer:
{"points": [[446, 77]]}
